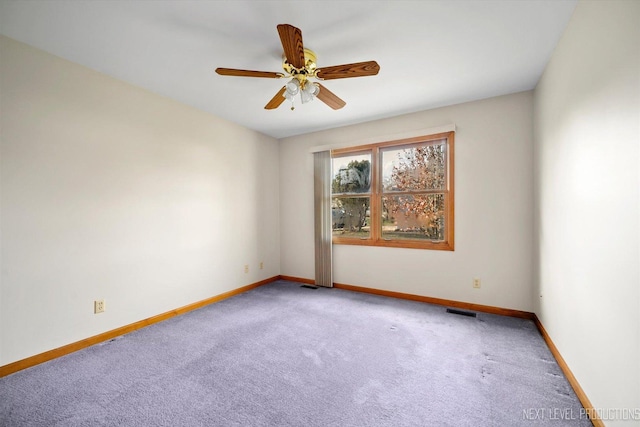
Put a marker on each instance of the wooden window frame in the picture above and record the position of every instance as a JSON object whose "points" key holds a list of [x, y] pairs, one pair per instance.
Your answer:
{"points": [[375, 236]]}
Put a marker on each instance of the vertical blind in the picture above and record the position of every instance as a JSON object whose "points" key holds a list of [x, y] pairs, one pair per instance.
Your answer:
{"points": [[322, 217]]}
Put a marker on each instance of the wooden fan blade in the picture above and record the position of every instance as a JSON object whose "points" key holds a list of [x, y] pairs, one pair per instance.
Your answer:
{"points": [[359, 69], [248, 73], [291, 38], [330, 98], [276, 100]]}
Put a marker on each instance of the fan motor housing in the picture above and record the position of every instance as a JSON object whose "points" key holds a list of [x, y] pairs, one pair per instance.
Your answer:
{"points": [[309, 64]]}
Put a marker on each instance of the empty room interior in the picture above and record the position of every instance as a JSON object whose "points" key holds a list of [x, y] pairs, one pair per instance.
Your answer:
{"points": [[161, 210]]}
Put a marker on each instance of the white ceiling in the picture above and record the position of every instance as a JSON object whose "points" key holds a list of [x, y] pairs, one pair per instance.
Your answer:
{"points": [[431, 53]]}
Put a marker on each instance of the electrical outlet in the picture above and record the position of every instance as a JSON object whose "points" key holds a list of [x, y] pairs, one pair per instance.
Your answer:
{"points": [[246, 268], [98, 306], [476, 283], [261, 265]]}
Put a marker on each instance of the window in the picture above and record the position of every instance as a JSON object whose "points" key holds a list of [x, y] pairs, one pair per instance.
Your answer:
{"points": [[396, 193]]}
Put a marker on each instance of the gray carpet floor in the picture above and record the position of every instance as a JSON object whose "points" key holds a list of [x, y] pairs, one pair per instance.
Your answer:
{"points": [[282, 355]]}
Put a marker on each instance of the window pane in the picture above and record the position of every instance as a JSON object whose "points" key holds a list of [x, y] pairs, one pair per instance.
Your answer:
{"points": [[414, 168], [350, 217], [414, 217], [351, 174]]}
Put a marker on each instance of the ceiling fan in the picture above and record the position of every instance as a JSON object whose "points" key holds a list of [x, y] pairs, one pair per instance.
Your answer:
{"points": [[299, 64]]}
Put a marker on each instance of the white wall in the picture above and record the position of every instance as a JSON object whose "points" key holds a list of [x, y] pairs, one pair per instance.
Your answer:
{"points": [[587, 137], [493, 211], [109, 191]]}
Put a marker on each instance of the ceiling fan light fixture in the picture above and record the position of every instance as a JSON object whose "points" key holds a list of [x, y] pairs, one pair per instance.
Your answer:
{"points": [[309, 91], [313, 88], [293, 87], [306, 97]]}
